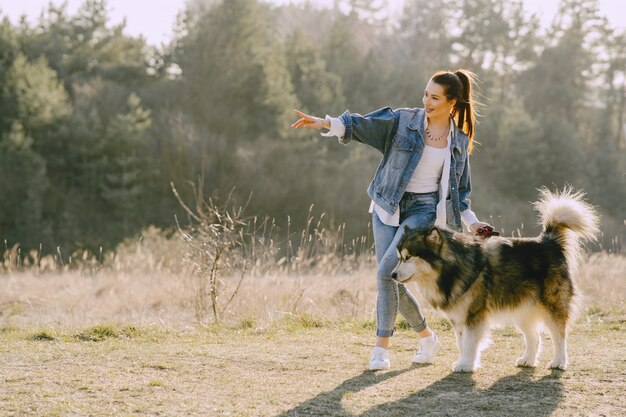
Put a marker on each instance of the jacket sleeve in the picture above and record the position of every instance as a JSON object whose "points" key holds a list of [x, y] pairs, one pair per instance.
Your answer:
{"points": [[465, 186], [375, 129]]}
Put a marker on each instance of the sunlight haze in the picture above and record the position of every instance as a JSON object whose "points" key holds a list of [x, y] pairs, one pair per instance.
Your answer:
{"points": [[154, 19]]}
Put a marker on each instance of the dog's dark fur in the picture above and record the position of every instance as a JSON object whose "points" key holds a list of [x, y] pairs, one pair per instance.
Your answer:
{"points": [[530, 281]]}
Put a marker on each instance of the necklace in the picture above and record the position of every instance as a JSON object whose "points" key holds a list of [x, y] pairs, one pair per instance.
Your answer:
{"points": [[430, 136]]}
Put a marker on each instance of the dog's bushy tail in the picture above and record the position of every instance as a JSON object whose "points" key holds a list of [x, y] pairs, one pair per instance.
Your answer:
{"points": [[567, 218], [567, 210]]}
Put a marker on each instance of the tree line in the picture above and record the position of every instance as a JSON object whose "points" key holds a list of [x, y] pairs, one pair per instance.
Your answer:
{"points": [[95, 125]]}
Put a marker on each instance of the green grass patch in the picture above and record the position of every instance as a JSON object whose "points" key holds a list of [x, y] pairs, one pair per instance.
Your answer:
{"points": [[130, 331], [248, 323], [97, 333], [294, 322], [369, 324], [43, 335], [103, 332], [8, 329], [403, 325]]}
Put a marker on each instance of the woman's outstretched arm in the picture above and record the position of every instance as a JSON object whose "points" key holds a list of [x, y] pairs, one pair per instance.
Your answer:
{"points": [[375, 129]]}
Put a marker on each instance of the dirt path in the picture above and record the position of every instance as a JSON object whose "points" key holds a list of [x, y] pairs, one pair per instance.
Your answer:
{"points": [[298, 371]]}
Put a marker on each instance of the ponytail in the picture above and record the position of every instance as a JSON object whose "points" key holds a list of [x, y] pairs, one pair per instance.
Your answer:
{"points": [[459, 85]]}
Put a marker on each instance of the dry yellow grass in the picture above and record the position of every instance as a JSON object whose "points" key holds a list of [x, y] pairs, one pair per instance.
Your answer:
{"points": [[603, 281], [138, 290], [124, 339], [291, 369]]}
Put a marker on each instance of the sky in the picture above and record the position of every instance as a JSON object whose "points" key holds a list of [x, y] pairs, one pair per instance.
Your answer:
{"points": [[154, 19]]}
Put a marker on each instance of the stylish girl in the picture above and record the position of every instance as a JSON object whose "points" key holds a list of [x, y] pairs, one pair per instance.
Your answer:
{"points": [[422, 180]]}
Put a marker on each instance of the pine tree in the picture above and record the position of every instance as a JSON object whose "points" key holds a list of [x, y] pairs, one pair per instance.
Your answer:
{"points": [[235, 80], [37, 98], [124, 185], [23, 185]]}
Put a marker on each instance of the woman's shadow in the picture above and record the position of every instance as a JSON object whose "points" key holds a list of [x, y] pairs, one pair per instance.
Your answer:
{"points": [[453, 395]]}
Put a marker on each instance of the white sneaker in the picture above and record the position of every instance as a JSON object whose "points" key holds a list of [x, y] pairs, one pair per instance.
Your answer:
{"points": [[380, 359], [429, 346]]}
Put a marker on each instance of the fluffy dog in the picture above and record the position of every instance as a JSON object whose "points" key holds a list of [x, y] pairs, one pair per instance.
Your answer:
{"points": [[530, 281]]}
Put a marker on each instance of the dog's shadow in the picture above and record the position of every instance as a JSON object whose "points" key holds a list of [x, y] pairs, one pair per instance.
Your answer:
{"points": [[453, 395]]}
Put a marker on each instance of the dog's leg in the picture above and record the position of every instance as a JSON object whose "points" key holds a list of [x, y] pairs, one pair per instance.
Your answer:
{"points": [[532, 337], [458, 332], [558, 332], [471, 337]]}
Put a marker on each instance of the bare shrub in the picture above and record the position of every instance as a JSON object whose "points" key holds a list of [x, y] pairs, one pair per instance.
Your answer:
{"points": [[224, 247], [214, 234]]}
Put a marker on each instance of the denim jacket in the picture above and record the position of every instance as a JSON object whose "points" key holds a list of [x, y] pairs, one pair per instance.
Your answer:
{"points": [[398, 135]]}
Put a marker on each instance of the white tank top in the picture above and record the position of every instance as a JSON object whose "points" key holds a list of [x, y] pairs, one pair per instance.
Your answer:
{"points": [[427, 174]]}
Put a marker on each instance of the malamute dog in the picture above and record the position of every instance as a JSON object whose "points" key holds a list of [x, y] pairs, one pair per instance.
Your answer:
{"points": [[530, 281]]}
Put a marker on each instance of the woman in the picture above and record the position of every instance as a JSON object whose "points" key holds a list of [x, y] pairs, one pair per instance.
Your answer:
{"points": [[422, 180]]}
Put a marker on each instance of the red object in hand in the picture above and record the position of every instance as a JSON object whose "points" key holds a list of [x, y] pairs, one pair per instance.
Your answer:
{"points": [[486, 231]]}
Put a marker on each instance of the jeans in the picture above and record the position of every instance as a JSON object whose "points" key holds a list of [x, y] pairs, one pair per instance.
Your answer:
{"points": [[416, 211]]}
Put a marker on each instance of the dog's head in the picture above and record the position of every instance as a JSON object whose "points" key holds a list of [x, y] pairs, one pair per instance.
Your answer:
{"points": [[420, 252]]}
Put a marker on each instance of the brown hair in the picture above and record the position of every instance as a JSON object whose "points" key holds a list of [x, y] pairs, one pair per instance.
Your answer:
{"points": [[459, 85]]}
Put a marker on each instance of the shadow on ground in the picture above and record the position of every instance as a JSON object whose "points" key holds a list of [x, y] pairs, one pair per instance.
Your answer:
{"points": [[456, 394]]}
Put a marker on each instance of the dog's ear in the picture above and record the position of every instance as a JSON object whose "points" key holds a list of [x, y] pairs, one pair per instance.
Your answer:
{"points": [[434, 238], [407, 229]]}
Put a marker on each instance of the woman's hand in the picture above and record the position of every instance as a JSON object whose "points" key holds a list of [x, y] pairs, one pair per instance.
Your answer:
{"points": [[480, 225], [483, 230], [310, 122]]}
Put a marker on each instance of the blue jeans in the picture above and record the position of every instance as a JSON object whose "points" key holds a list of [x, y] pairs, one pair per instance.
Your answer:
{"points": [[416, 211]]}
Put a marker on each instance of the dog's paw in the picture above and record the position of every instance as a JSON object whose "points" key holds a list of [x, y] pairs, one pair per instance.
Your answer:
{"points": [[558, 364], [525, 362], [460, 366]]}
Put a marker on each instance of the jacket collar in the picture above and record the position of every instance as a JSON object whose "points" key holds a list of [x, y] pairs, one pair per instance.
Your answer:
{"points": [[417, 123]]}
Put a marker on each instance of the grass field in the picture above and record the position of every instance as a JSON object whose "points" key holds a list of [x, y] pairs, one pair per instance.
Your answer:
{"points": [[296, 369], [128, 340]]}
